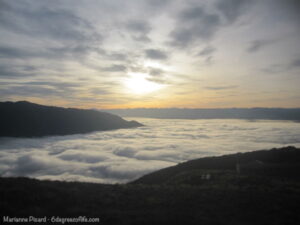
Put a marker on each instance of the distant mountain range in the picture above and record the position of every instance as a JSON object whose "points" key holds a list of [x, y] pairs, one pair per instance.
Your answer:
{"points": [[25, 119], [227, 113], [203, 191]]}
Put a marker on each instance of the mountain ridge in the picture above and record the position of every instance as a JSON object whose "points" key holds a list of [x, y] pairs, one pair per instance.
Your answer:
{"points": [[226, 198], [257, 113], [26, 119], [275, 162]]}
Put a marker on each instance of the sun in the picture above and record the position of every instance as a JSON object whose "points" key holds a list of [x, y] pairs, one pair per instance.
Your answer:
{"points": [[137, 83]]}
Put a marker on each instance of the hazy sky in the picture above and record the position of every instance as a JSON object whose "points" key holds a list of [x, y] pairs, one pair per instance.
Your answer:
{"points": [[151, 53]]}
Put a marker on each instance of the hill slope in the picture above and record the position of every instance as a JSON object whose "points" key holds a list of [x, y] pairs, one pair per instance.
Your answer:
{"points": [[245, 199], [25, 119], [284, 162]]}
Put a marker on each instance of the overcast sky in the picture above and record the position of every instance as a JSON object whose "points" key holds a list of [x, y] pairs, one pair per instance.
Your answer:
{"points": [[151, 53]]}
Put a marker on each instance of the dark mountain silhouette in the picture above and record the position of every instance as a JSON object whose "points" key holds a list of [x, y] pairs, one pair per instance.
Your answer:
{"points": [[226, 113], [25, 119], [170, 196], [284, 162]]}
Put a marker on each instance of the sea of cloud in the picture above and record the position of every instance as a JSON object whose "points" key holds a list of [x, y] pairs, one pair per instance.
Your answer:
{"points": [[123, 155]]}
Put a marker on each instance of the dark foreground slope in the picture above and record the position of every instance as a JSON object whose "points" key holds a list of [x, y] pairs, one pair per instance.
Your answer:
{"points": [[25, 119], [227, 199], [284, 162]]}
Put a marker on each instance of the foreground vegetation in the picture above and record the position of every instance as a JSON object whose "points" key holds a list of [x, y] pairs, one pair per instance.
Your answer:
{"points": [[187, 198]]}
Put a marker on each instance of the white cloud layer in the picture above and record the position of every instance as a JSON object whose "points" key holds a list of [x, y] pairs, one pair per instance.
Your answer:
{"points": [[123, 155]]}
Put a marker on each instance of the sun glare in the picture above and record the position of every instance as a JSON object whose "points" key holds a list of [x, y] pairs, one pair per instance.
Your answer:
{"points": [[138, 84]]}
